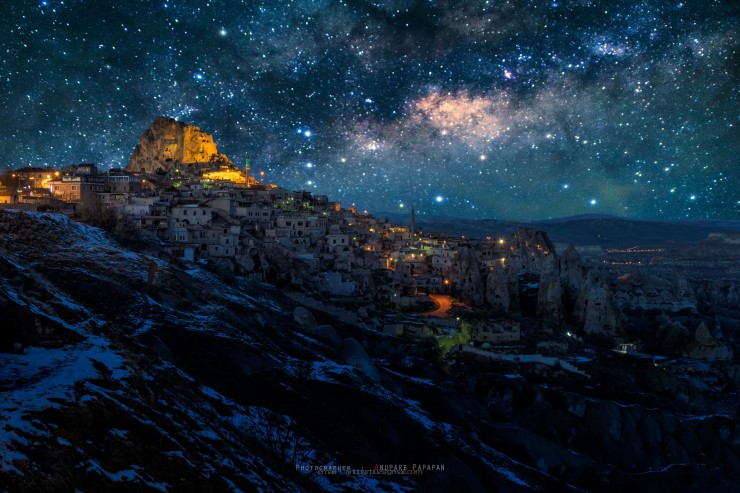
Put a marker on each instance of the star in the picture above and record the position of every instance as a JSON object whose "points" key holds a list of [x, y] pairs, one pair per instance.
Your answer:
{"points": [[504, 107]]}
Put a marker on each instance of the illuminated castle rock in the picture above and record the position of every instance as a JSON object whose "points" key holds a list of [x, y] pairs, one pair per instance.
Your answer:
{"points": [[168, 143]]}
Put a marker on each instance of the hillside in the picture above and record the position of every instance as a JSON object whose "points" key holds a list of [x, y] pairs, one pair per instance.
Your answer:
{"points": [[148, 374], [160, 375]]}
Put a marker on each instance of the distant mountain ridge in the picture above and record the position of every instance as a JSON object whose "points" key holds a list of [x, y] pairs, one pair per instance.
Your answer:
{"points": [[587, 229]]}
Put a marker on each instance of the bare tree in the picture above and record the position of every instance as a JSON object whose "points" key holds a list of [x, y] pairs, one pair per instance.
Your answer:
{"points": [[281, 435]]}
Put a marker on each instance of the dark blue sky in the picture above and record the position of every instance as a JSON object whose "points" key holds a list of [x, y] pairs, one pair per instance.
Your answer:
{"points": [[513, 110]]}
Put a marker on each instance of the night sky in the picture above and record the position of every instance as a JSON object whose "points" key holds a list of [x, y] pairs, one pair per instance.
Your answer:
{"points": [[479, 109]]}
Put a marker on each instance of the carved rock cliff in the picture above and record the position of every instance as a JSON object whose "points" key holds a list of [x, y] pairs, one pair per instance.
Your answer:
{"points": [[168, 143]]}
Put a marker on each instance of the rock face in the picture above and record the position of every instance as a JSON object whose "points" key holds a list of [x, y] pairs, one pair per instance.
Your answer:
{"points": [[597, 308], [352, 352], [303, 317], [571, 269], [651, 291], [733, 297], [707, 347], [529, 250], [466, 275], [549, 297], [168, 143], [571, 276], [497, 290]]}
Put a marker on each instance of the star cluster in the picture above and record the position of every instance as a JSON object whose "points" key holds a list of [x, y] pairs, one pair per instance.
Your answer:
{"points": [[505, 109]]}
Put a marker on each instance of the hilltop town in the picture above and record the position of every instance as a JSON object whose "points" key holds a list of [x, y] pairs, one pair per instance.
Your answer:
{"points": [[474, 345], [186, 200]]}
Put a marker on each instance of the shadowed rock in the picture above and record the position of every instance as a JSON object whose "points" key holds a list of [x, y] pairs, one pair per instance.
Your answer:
{"points": [[355, 355]]}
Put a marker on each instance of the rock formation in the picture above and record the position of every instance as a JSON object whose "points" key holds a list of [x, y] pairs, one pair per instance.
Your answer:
{"points": [[303, 317], [169, 143], [549, 297], [402, 277], [497, 290], [596, 307], [648, 290], [529, 250], [673, 334], [571, 269], [352, 352], [707, 347], [682, 289], [571, 277], [733, 298], [466, 275]]}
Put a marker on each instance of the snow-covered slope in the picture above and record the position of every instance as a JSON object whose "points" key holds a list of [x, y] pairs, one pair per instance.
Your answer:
{"points": [[137, 371]]}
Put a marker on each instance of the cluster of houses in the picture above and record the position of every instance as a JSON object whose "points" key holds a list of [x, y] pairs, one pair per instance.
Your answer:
{"points": [[66, 188], [261, 231]]}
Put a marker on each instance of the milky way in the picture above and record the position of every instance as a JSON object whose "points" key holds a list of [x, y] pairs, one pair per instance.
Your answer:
{"points": [[512, 110]]}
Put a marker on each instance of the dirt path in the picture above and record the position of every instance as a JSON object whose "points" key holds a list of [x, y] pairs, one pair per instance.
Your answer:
{"points": [[444, 303]]}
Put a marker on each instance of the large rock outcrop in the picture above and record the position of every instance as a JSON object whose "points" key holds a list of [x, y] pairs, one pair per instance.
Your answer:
{"points": [[466, 276], [706, 347], [168, 143], [571, 269], [549, 297], [572, 273], [648, 290], [528, 250], [497, 290], [352, 352], [597, 308]]}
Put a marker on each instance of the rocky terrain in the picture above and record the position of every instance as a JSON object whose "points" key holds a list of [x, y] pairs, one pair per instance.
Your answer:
{"points": [[122, 370], [168, 143]]}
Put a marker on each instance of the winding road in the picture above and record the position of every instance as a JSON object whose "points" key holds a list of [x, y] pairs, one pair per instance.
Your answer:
{"points": [[444, 303]]}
